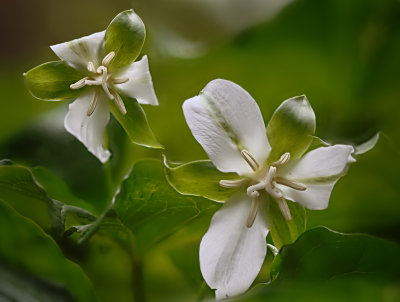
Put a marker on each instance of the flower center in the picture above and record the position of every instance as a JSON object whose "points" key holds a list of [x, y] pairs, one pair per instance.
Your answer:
{"points": [[101, 77], [264, 179]]}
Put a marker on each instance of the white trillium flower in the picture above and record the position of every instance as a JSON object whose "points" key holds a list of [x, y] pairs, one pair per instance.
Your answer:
{"points": [[99, 71], [89, 114], [227, 122]]}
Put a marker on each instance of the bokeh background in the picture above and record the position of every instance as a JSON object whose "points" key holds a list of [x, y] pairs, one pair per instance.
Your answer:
{"points": [[344, 55]]}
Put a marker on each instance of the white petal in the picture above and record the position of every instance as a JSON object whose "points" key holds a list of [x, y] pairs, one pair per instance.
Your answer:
{"points": [[231, 254], [225, 119], [77, 53], [89, 129], [319, 170], [140, 84]]}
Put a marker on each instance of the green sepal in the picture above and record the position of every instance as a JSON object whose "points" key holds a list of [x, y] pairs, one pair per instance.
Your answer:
{"points": [[199, 178], [291, 128], [125, 36], [367, 146], [50, 81], [282, 231], [135, 123]]}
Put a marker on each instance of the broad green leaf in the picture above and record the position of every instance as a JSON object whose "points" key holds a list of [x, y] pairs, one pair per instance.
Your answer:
{"points": [[199, 178], [50, 81], [324, 265], [321, 254], [125, 36], [25, 247], [17, 286], [19, 189], [135, 123], [291, 128], [366, 146], [151, 208], [285, 232]]}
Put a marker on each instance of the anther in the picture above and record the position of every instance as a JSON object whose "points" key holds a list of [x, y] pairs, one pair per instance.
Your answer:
{"points": [[93, 104], [283, 160], [79, 84], [107, 59], [119, 103], [231, 184], [120, 80], [289, 183], [284, 208], [249, 158], [253, 211], [90, 67]]}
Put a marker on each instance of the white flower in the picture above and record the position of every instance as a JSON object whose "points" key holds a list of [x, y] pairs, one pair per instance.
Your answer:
{"points": [[228, 124], [89, 114]]}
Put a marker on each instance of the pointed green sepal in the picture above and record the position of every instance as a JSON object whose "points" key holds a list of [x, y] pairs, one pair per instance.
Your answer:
{"points": [[291, 128], [199, 178], [50, 81], [135, 123], [125, 36]]}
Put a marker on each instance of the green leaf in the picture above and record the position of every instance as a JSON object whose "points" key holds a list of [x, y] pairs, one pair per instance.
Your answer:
{"points": [[199, 178], [320, 254], [367, 146], [17, 286], [285, 232], [291, 128], [24, 247], [151, 208], [50, 81], [125, 36], [19, 189], [135, 123]]}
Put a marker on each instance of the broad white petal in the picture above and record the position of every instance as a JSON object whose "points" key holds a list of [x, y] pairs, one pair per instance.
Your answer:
{"points": [[140, 84], [319, 170], [77, 53], [225, 119], [231, 254], [89, 129]]}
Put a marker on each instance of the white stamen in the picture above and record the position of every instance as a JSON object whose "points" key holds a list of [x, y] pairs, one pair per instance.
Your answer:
{"points": [[107, 59], [231, 184], [290, 183], [253, 212], [283, 160], [120, 80], [284, 208], [249, 158], [119, 103], [103, 70], [79, 84], [93, 104], [90, 67]]}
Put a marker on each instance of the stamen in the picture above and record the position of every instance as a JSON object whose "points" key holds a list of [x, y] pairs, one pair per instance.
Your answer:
{"points": [[90, 67], [283, 160], [119, 102], [93, 104], [107, 59], [249, 158], [284, 208], [120, 80], [253, 212], [103, 70], [231, 184], [289, 183], [79, 84]]}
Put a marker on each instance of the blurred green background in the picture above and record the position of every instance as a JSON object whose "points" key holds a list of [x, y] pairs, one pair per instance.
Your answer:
{"points": [[344, 55]]}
